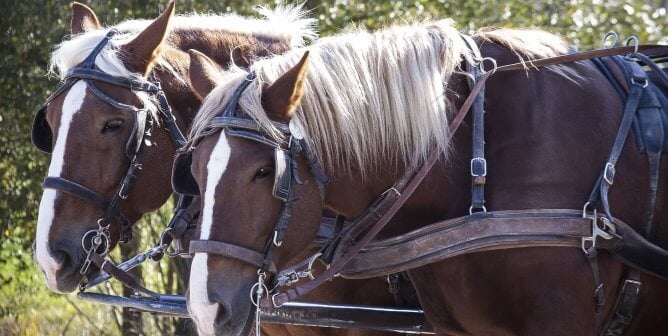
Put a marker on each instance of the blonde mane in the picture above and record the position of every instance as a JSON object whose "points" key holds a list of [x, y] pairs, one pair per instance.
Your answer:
{"points": [[371, 99], [284, 23]]}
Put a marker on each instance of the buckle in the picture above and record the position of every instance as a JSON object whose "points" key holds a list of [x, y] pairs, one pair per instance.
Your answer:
{"points": [[634, 285], [478, 167], [640, 81], [606, 232], [609, 173]]}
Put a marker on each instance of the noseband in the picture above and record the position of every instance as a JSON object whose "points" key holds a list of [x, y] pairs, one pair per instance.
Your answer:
{"points": [[285, 154], [98, 240]]}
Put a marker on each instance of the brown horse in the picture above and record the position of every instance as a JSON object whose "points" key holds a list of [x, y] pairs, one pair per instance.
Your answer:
{"points": [[372, 106], [94, 155], [89, 136]]}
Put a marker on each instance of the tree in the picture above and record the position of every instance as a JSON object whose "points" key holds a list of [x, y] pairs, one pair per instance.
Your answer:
{"points": [[30, 30]]}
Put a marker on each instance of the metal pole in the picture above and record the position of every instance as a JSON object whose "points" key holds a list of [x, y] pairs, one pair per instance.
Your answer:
{"points": [[409, 321]]}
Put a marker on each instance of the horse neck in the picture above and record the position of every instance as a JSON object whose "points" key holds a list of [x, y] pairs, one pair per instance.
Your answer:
{"points": [[222, 46], [444, 193]]}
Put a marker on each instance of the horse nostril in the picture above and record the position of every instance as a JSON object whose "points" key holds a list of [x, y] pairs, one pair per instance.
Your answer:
{"points": [[62, 257], [59, 256], [222, 316]]}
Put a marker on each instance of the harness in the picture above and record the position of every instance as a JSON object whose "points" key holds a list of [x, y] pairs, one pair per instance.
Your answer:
{"points": [[286, 154], [480, 231], [96, 242]]}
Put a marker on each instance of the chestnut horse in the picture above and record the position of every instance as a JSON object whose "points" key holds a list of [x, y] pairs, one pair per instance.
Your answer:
{"points": [[89, 136], [94, 155], [369, 107]]}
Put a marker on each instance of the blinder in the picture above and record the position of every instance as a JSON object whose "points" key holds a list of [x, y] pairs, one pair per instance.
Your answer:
{"points": [[282, 174], [286, 152], [183, 181], [41, 134], [137, 134]]}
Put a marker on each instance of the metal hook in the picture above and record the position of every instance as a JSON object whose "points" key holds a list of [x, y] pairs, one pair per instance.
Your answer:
{"points": [[615, 38], [275, 240]]}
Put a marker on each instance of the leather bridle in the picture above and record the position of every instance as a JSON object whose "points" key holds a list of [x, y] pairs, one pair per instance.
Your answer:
{"points": [[97, 241], [286, 153]]}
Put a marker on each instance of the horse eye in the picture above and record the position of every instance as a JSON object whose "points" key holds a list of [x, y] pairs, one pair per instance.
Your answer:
{"points": [[112, 126], [262, 173]]}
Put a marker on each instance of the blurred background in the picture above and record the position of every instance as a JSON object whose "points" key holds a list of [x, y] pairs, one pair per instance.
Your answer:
{"points": [[31, 28]]}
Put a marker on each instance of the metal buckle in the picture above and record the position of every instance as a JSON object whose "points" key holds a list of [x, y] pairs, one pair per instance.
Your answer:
{"points": [[636, 285], [606, 232], [474, 171], [644, 84], [609, 173], [473, 209]]}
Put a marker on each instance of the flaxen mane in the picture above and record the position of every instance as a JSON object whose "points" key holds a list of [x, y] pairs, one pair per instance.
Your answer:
{"points": [[283, 23], [372, 99]]}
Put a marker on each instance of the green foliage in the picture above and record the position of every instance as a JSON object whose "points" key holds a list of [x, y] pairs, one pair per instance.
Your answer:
{"points": [[30, 29]]}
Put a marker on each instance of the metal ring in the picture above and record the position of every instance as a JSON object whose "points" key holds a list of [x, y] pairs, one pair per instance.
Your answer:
{"points": [[494, 65], [273, 301], [252, 293], [584, 209], [310, 265], [471, 212], [635, 44], [615, 38]]}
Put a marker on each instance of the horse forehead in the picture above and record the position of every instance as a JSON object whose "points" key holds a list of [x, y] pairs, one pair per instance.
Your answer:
{"points": [[67, 107]]}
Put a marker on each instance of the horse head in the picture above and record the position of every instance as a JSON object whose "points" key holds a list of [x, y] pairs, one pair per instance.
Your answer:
{"points": [[251, 187], [96, 127]]}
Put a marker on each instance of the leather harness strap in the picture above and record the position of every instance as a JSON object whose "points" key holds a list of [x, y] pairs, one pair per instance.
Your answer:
{"points": [[297, 291], [401, 194], [232, 251], [495, 230], [96, 243], [478, 161]]}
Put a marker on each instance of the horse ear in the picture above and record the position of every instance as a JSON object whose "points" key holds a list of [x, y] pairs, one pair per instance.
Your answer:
{"points": [[83, 19], [204, 73], [284, 96], [143, 49]]}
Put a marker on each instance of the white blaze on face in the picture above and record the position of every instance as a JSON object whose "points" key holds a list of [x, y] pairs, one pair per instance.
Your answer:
{"points": [[201, 308], [45, 261]]}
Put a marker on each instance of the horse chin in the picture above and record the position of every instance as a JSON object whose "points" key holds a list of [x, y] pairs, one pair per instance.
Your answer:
{"points": [[64, 283]]}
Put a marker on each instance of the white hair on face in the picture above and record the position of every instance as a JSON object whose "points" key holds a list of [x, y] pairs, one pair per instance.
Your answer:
{"points": [[71, 105], [201, 308], [371, 99]]}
